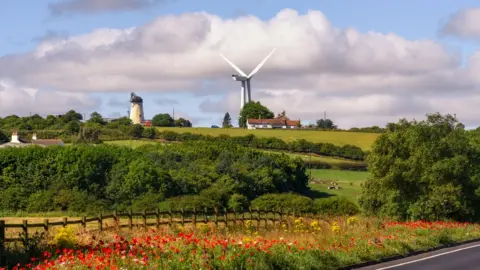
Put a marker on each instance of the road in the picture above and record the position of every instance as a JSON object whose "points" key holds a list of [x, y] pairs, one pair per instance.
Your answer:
{"points": [[464, 257]]}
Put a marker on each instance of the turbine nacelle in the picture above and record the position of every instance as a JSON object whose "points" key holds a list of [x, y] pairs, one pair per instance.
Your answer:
{"points": [[236, 77]]}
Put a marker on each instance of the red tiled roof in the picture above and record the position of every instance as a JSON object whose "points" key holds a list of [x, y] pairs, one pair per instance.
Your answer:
{"points": [[47, 142], [276, 122]]}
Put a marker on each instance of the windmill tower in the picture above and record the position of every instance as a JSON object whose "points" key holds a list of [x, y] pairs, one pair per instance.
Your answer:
{"points": [[136, 109]]}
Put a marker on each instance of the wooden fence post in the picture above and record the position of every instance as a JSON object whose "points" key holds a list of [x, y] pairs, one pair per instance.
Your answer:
{"points": [[216, 216], [25, 232], [130, 219], [84, 223], [144, 217], [170, 221], [258, 218], [157, 217], [45, 227], [206, 216], [2, 243], [194, 218], [183, 216], [234, 218], [115, 218], [64, 222], [273, 219], [100, 222], [225, 216]]}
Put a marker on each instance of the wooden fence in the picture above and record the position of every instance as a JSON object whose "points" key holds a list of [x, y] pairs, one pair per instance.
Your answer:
{"points": [[181, 217]]}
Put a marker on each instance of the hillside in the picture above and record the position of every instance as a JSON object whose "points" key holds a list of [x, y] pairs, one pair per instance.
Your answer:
{"points": [[360, 139]]}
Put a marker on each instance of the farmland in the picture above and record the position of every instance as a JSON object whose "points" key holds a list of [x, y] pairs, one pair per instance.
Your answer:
{"points": [[349, 181], [360, 139]]}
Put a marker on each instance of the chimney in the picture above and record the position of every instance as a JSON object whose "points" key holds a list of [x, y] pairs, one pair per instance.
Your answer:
{"points": [[34, 136], [15, 137]]}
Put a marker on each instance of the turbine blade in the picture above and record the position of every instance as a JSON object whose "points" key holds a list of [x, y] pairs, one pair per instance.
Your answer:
{"points": [[261, 64], [233, 66]]}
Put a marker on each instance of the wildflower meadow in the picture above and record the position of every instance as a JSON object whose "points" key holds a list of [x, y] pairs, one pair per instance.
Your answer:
{"points": [[299, 243]]}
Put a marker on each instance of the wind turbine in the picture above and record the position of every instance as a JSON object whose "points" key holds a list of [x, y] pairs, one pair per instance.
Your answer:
{"points": [[246, 90]]}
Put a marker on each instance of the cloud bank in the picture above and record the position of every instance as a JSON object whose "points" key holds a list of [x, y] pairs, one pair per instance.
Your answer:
{"points": [[97, 6], [358, 78]]}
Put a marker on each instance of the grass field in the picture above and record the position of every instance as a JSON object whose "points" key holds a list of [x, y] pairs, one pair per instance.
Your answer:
{"points": [[349, 181], [360, 139]]}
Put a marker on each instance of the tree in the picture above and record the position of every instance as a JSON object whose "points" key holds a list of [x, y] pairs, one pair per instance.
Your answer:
{"points": [[253, 110], [162, 120], [424, 170], [326, 124], [227, 121], [181, 122], [97, 118], [71, 116], [135, 131]]}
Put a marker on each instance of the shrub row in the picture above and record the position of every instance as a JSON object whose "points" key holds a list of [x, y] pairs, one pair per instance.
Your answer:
{"points": [[271, 143], [348, 166]]}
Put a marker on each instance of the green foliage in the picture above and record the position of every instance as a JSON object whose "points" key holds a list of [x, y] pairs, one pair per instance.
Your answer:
{"points": [[335, 205], [326, 124], [181, 122], [253, 110], [162, 120], [238, 202], [227, 121], [135, 131], [96, 118], [85, 178], [286, 202], [424, 170], [272, 143]]}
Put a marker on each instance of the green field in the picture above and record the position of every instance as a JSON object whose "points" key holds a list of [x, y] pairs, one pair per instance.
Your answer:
{"points": [[349, 181], [360, 139]]}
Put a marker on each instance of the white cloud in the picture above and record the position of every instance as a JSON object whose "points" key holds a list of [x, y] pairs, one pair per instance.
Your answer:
{"points": [[359, 77], [464, 23], [21, 101]]}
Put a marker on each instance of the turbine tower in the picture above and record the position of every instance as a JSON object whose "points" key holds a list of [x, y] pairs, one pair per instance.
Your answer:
{"points": [[246, 90]]}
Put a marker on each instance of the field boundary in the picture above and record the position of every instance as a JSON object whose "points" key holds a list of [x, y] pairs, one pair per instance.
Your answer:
{"points": [[181, 217]]}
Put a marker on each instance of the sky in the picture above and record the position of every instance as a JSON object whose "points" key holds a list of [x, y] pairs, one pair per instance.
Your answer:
{"points": [[364, 62]]}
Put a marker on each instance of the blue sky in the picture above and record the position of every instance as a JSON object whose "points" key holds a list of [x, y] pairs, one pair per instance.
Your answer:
{"points": [[25, 22]]}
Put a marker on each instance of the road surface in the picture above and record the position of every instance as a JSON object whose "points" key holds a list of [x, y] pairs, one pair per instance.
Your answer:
{"points": [[464, 257]]}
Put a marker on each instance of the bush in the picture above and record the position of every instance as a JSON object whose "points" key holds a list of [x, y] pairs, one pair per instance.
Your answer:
{"points": [[335, 206], [238, 202], [286, 202]]}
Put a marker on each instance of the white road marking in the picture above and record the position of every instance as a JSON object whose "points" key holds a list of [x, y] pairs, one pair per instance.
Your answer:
{"points": [[426, 258]]}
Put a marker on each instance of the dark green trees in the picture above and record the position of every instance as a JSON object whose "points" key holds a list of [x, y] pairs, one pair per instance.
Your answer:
{"points": [[253, 110], [424, 170]]}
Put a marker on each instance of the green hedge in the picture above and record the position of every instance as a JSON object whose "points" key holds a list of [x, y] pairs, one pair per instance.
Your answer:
{"points": [[300, 146]]}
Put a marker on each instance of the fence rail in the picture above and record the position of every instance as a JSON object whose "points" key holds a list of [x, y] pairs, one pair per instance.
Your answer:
{"points": [[181, 217]]}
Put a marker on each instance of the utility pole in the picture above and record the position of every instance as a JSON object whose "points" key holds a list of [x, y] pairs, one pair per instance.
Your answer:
{"points": [[325, 115], [173, 116]]}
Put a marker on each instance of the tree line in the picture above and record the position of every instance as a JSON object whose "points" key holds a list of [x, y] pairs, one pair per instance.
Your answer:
{"points": [[85, 178], [351, 152]]}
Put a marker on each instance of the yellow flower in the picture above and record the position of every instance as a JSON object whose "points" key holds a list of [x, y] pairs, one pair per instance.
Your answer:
{"points": [[335, 227], [351, 221], [65, 237]]}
